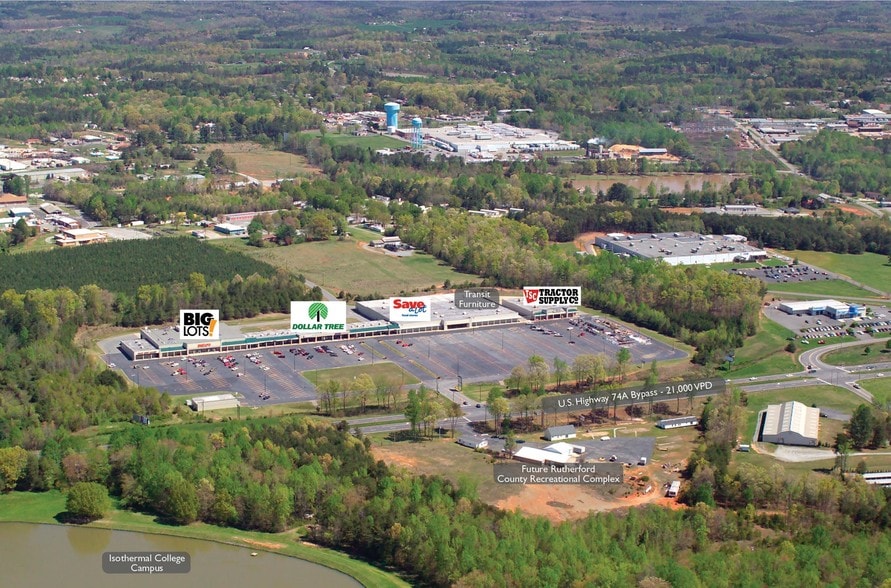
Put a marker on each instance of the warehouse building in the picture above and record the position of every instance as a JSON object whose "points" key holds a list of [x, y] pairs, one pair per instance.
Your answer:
{"points": [[678, 422], [494, 137], [215, 402], [790, 423], [831, 308], [230, 229], [560, 433], [686, 248], [75, 237]]}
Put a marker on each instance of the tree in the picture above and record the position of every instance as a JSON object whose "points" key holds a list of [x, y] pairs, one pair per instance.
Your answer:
{"points": [[499, 407], [538, 373], [842, 451], [510, 442], [13, 461], [363, 386], [454, 412], [860, 427], [623, 357], [87, 501], [180, 500], [561, 370]]}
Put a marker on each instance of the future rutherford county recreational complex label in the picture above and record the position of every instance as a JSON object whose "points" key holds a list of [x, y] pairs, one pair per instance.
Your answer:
{"points": [[552, 296], [627, 396], [590, 473]]}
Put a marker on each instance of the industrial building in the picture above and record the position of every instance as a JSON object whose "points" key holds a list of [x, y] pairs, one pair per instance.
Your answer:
{"points": [[21, 212], [494, 137], [74, 237], [12, 199], [444, 315], [215, 402], [559, 433], [558, 453], [42, 176], [473, 442], [678, 422], [790, 423], [686, 248], [230, 229], [60, 220], [831, 308]]}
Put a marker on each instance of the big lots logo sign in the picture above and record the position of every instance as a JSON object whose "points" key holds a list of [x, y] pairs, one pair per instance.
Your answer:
{"points": [[199, 324], [410, 309]]}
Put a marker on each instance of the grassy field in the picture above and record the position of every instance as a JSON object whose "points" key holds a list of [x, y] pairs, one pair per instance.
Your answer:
{"points": [[348, 266], [857, 355], [444, 457], [763, 353], [733, 265], [837, 288], [773, 262], [871, 269], [264, 163], [32, 507], [371, 141], [823, 396], [346, 375], [880, 388]]}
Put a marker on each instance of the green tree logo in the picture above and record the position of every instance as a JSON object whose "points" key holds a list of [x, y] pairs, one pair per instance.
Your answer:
{"points": [[318, 311]]}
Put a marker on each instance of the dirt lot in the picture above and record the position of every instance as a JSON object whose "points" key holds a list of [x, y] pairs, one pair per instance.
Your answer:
{"points": [[555, 502], [852, 209]]}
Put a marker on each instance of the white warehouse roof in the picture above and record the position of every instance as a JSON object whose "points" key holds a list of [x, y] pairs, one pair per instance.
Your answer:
{"points": [[791, 423]]}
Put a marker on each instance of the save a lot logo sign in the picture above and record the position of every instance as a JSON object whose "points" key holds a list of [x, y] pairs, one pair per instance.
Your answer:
{"points": [[318, 317], [410, 309]]}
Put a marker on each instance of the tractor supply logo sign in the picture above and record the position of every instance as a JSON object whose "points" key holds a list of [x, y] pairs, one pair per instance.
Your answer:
{"points": [[199, 325], [552, 296], [410, 309], [318, 317]]}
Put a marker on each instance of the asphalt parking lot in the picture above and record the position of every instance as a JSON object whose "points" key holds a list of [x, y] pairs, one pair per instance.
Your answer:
{"points": [[796, 273], [477, 355]]}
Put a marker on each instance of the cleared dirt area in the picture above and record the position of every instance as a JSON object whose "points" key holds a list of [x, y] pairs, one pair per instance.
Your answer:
{"points": [[852, 209]]}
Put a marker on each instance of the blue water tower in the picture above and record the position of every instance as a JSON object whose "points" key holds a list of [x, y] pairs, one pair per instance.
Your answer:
{"points": [[392, 110], [417, 138]]}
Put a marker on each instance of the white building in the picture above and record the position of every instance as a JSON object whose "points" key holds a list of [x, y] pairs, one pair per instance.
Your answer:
{"points": [[215, 402], [829, 307], [790, 423], [685, 248]]}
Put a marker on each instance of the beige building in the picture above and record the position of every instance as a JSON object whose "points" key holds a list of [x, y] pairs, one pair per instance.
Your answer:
{"points": [[790, 423], [74, 237]]}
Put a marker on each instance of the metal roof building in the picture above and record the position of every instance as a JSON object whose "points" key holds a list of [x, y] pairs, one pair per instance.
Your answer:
{"points": [[682, 248], [676, 423], [790, 423], [561, 432]]}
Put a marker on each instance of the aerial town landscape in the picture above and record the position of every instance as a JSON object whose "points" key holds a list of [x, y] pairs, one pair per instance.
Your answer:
{"points": [[472, 294]]}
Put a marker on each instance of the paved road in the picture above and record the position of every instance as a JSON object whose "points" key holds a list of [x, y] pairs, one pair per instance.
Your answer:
{"points": [[831, 374]]}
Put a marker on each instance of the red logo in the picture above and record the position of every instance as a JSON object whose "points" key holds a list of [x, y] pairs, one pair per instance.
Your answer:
{"points": [[531, 295]]}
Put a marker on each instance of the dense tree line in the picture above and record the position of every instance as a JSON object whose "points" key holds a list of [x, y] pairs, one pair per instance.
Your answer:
{"points": [[713, 310], [857, 164], [272, 475], [124, 266]]}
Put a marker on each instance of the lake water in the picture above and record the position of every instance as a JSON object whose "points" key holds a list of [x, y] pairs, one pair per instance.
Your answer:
{"points": [[71, 557], [673, 182]]}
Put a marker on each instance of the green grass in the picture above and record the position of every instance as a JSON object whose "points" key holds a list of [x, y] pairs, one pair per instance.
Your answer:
{"points": [[348, 266], [370, 141], [32, 507], [773, 262], [836, 288], [763, 353], [871, 269], [823, 396], [263, 163], [880, 388], [346, 375], [857, 356]]}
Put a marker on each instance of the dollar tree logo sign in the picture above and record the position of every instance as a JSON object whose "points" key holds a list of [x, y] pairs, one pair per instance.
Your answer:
{"points": [[318, 311], [318, 317]]}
